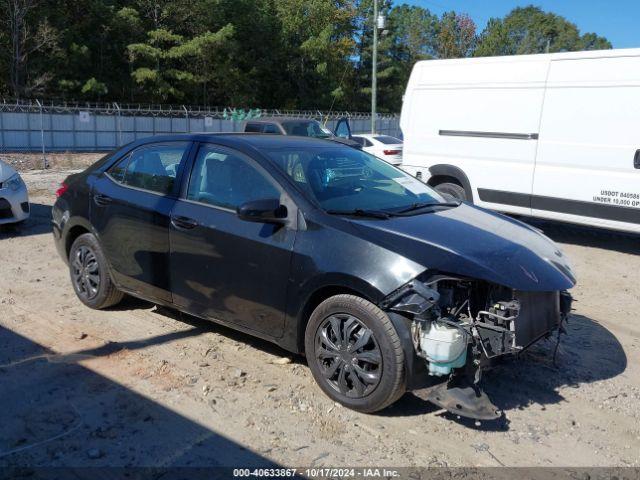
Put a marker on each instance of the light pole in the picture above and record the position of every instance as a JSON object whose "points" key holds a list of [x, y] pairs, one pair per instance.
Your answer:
{"points": [[374, 67]]}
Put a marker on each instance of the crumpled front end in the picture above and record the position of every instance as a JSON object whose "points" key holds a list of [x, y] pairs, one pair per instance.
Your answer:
{"points": [[459, 326]]}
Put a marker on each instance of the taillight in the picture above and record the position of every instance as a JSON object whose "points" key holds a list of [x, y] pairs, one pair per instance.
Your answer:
{"points": [[391, 152], [60, 191]]}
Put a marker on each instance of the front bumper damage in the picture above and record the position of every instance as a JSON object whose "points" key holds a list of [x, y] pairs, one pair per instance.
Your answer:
{"points": [[460, 326]]}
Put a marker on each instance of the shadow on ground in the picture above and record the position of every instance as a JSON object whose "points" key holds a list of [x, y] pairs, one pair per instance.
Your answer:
{"points": [[39, 222], [587, 236], [588, 353], [57, 413]]}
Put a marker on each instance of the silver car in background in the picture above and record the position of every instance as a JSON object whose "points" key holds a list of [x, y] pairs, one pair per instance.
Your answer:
{"points": [[14, 198]]}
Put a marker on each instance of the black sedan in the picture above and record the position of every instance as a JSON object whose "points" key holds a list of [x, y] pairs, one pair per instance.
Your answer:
{"points": [[383, 284]]}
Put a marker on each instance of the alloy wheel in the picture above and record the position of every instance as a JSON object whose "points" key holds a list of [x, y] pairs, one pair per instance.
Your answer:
{"points": [[86, 272], [349, 357]]}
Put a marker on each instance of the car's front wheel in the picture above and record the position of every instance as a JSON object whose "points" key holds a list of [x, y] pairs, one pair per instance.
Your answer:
{"points": [[354, 353], [90, 274]]}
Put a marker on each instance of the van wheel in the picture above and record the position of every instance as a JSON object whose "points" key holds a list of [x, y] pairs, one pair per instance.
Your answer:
{"points": [[90, 274], [452, 189], [354, 353]]}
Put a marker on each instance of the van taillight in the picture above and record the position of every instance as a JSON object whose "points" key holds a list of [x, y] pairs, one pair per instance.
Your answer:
{"points": [[391, 152], [60, 191]]}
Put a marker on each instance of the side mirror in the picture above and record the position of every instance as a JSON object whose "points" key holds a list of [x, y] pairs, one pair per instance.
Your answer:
{"points": [[343, 129], [263, 211]]}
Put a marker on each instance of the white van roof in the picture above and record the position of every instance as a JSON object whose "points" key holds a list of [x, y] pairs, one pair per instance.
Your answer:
{"points": [[540, 57], [478, 71]]}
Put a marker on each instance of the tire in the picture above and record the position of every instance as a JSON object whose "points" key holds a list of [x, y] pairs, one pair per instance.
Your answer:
{"points": [[452, 189], [367, 378], [90, 275]]}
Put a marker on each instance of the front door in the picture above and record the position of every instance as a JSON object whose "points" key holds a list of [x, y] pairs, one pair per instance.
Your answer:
{"points": [[222, 267], [130, 208]]}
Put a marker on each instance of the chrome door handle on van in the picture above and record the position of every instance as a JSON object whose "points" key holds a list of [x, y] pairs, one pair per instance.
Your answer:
{"points": [[636, 159]]}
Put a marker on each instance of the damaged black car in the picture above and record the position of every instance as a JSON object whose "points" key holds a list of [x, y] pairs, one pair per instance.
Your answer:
{"points": [[381, 282]]}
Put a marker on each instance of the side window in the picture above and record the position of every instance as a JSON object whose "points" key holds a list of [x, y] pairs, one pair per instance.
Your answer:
{"points": [[227, 179], [367, 142], [271, 128], [117, 170], [153, 167], [253, 127]]}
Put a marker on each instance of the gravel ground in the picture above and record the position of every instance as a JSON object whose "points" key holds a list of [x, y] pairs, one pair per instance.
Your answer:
{"points": [[146, 386]]}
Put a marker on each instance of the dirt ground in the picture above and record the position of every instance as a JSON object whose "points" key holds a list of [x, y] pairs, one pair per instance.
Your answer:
{"points": [[146, 386]]}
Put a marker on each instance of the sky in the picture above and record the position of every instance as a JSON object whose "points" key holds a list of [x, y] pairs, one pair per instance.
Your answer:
{"points": [[618, 20]]}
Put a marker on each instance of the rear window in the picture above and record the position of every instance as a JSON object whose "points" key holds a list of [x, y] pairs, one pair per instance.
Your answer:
{"points": [[362, 141], [271, 128], [253, 127], [388, 140]]}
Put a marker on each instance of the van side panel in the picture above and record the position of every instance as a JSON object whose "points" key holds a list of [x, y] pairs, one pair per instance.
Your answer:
{"points": [[589, 136], [480, 115]]}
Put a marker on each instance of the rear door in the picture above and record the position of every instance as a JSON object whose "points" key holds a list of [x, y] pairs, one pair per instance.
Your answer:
{"points": [[130, 208], [588, 164], [222, 267]]}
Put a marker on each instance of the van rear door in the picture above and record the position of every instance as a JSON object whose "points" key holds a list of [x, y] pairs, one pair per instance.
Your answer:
{"points": [[587, 168]]}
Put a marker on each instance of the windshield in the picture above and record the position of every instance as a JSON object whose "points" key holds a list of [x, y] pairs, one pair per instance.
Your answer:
{"points": [[306, 128], [345, 179]]}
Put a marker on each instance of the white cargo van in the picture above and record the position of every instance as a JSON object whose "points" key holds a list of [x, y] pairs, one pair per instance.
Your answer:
{"points": [[554, 136]]}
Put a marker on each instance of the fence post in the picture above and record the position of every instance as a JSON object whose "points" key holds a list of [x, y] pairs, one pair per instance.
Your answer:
{"points": [[186, 115], [2, 126], [44, 158], [118, 126]]}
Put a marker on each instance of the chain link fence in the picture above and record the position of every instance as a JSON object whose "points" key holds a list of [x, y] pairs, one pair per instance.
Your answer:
{"points": [[39, 127]]}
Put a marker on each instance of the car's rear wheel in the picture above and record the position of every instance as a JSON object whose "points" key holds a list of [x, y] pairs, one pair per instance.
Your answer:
{"points": [[90, 275], [354, 353]]}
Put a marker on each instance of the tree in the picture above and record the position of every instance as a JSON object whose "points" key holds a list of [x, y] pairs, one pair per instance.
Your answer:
{"points": [[317, 41], [411, 35], [94, 89], [531, 30], [456, 36], [298, 54], [28, 37]]}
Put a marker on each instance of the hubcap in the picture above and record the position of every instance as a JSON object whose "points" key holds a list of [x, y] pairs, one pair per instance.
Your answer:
{"points": [[85, 272], [348, 355]]}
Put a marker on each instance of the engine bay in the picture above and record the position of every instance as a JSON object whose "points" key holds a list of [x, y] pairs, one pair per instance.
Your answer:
{"points": [[459, 326]]}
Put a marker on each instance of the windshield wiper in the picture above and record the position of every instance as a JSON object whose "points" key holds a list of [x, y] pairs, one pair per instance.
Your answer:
{"points": [[359, 212], [420, 206]]}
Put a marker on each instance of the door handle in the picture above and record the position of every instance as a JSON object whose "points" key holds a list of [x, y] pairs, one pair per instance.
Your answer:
{"points": [[102, 200], [636, 159], [183, 223]]}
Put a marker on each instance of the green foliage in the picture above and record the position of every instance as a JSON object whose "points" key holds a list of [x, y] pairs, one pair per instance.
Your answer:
{"points": [[456, 36], [306, 54], [93, 88], [531, 30]]}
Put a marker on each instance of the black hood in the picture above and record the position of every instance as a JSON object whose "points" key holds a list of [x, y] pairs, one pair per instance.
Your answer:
{"points": [[474, 242]]}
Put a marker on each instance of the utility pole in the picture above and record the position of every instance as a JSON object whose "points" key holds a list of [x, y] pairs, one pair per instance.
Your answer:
{"points": [[374, 67]]}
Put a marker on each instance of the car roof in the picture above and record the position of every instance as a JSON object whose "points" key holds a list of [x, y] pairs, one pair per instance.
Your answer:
{"points": [[256, 140]]}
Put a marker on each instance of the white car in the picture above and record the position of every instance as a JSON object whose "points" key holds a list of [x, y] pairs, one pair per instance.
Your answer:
{"points": [[14, 199], [385, 147]]}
